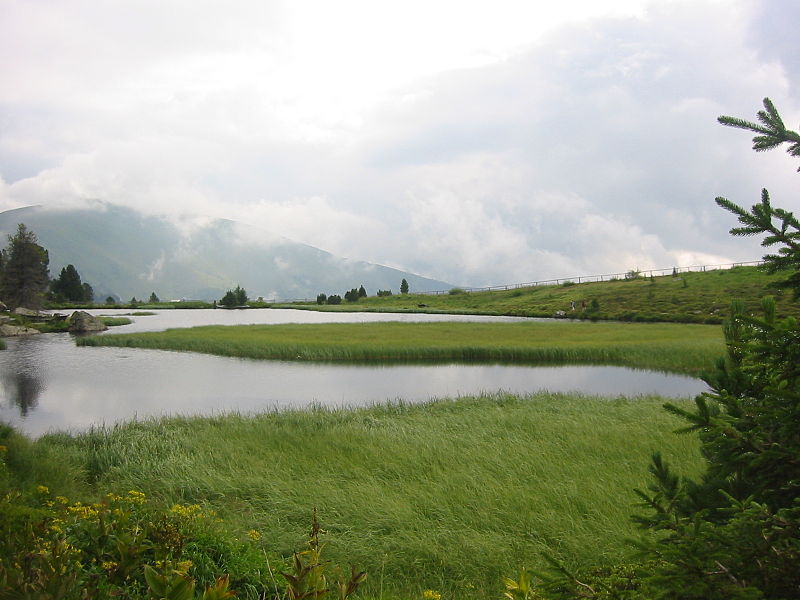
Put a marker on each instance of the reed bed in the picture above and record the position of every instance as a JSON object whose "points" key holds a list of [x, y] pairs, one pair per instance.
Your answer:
{"points": [[681, 348], [450, 495]]}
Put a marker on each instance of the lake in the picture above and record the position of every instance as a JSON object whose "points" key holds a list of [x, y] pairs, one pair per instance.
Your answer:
{"points": [[47, 383]]}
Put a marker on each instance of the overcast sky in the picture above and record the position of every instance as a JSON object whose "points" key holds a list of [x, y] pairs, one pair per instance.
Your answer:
{"points": [[478, 143]]}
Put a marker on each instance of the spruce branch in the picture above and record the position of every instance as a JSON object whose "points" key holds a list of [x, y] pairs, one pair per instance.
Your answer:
{"points": [[772, 132]]}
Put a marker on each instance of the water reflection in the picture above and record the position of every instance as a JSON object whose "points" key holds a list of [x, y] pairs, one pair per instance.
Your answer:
{"points": [[20, 376], [22, 390], [48, 383]]}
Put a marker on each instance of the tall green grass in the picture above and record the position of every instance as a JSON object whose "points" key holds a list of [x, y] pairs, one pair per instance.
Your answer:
{"points": [[450, 495], [665, 346]]}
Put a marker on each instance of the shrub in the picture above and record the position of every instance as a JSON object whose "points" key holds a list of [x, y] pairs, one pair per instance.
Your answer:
{"points": [[122, 547]]}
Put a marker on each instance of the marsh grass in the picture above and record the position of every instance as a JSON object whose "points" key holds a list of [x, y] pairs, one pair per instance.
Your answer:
{"points": [[115, 321], [449, 495], [683, 348]]}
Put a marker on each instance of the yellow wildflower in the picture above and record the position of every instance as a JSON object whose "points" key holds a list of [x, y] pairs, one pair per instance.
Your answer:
{"points": [[108, 565], [82, 511], [187, 511], [183, 567], [431, 595], [136, 497], [42, 489], [254, 535], [62, 500]]}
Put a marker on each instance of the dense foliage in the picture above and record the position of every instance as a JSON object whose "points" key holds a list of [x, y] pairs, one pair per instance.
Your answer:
{"points": [[234, 298]]}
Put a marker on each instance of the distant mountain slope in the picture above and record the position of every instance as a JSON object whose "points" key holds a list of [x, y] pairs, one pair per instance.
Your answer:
{"points": [[122, 252]]}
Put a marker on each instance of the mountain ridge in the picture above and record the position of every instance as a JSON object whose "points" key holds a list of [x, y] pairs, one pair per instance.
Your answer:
{"points": [[125, 253]]}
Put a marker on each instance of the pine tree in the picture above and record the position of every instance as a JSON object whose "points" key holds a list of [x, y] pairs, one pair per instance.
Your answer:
{"points": [[68, 286], [404, 286], [235, 297], [241, 295], [88, 292], [25, 274], [735, 532]]}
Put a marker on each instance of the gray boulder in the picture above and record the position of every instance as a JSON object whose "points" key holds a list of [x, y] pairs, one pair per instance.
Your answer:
{"points": [[28, 313], [7, 330], [82, 322]]}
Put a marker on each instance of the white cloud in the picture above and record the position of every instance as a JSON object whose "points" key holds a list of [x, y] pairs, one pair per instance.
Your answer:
{"points": [[475, 143], [155, 269]]}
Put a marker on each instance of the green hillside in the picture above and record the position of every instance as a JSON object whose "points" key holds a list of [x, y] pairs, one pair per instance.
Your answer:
{"points": [[696, 297]]}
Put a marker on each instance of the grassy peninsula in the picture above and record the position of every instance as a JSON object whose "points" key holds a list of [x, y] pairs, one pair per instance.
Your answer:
{"points": [[449, 496], [683, 348]]}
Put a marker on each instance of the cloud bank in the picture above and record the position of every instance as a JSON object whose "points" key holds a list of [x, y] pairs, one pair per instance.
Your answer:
{"points": [[474, 144]]}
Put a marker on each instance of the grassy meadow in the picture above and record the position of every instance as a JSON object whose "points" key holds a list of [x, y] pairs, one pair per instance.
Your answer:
{"points": [[696, 297], [683, 348], [449, 495]]}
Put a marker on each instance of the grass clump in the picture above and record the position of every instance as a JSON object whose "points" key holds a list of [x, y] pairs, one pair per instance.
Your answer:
{"points": [[679, 348]]}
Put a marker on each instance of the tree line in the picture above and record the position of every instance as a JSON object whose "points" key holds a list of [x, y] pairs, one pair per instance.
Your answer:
{"points": [[355, 294]]}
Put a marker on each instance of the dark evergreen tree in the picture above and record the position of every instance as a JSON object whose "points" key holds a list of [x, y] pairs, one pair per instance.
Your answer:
{"points": [[241, 295], [68, 286], [322, 299], [351, 295], [153, 298], [334, 299], [88, 292], [229, 299], [234, 297], [362, 293], [735, 532], [404, 286], [25, 275]]}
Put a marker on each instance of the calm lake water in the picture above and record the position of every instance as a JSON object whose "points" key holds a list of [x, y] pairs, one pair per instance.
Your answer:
{"points": [[47, 383]]}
